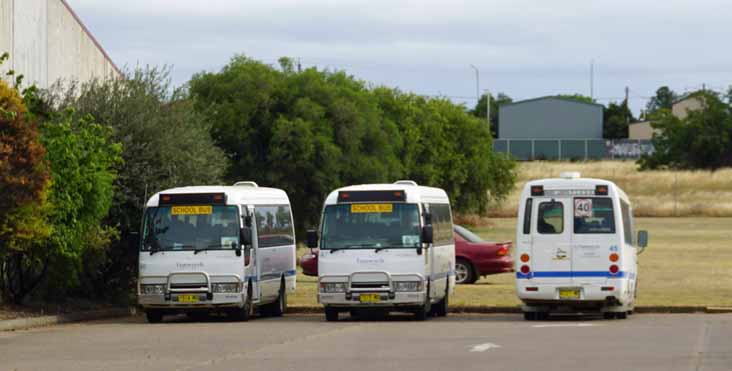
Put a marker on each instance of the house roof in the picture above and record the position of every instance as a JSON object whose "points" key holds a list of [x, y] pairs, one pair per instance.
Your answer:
{"points": [[91, 36], [551, 97]]}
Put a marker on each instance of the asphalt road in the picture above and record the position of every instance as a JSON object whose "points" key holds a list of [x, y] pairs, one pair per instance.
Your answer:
{"points": [[307, 342]]}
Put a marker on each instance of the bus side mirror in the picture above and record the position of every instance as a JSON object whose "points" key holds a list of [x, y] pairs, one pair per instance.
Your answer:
{"points": [[134, 241], [428, 234], [312, 239], [248, 221], [642, 240]]}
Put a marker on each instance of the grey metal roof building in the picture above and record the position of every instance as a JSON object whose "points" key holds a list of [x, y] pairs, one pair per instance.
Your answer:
{"points": [[550, 118], [551, 128]]}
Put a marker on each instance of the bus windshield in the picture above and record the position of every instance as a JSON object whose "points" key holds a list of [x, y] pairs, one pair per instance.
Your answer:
{"points": [[190, 228], [359, 226]]}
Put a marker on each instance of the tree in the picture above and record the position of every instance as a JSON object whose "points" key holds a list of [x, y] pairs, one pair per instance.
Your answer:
{"points": [[165, 142], [576, 97], [312, 131], [616, 117], [496, 102], [702, 140], [664, 99]]}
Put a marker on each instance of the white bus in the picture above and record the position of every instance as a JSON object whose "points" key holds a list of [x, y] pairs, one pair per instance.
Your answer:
{"points": [[385, 247], [576, 248], [216, 249]]}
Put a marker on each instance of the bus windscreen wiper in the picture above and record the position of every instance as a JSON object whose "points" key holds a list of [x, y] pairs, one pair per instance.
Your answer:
{"points": [[350, 247], [387, 247]]}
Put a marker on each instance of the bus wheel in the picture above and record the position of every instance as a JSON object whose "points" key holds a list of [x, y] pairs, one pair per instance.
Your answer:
{"points": [[608, 315], [277, 309], [154, 315], [530, 316], [621, 315], [331, 314], [244, 313], [440, 309], [541, 316]]}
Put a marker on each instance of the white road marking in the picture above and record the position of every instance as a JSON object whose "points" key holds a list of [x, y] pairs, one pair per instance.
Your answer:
{"points": [[564, 325], [484, 347]]}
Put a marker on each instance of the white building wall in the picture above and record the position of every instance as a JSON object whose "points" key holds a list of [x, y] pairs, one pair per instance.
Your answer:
{"points": [[47, 43]]}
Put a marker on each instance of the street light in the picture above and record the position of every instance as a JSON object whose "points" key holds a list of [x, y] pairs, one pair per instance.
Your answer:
{"points": [[477, 82]]}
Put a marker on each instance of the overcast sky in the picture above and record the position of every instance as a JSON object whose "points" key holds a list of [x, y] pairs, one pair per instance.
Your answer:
{"points": [[525, 48]]}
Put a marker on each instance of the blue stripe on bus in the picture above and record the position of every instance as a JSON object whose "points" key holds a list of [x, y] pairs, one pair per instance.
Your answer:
{"points": [[565, 274]]}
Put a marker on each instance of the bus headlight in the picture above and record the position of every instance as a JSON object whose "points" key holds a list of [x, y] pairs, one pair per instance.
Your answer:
{"points": [[332, 287], [408, 286], [225, 288], [158, 289]]}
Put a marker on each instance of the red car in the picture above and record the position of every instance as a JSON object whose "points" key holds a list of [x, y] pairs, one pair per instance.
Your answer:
{"points": [[474, 257]]}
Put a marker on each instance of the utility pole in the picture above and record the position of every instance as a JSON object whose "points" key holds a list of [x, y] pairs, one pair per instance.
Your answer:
{"points": [[592, 79], [627, 116], [477, 83], [488, 106]]}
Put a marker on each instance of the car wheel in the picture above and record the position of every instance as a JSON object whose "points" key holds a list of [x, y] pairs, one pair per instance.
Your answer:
{"points": [[464, 273]]}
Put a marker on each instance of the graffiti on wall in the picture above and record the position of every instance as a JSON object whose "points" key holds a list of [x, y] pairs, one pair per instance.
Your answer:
{"points": [[629, 148]]}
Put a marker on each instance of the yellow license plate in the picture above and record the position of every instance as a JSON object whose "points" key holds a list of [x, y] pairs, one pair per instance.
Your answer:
{"points": [[569, 294], [372, 208], [188, 298], [370, 298], [191, 210]]}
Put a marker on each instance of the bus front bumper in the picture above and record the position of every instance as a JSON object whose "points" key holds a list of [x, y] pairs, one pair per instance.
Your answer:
{"points": [[372, 299], [192, 301]]}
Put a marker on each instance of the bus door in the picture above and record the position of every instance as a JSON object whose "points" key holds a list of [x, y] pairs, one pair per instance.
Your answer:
{"points": [[252, 270], [551, 256], [594, 239]]}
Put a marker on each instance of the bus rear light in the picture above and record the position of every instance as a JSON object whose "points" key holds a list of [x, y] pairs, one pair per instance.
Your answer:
{"points": [[601, 190], [537, 190], [608, 288], [532, 289], [614, 257], [525, 269], [614, 269], [525, 258]]}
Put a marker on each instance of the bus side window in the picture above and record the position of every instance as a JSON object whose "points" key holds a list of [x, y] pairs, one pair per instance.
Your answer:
{"points": [[551, 218], [527, 216]]}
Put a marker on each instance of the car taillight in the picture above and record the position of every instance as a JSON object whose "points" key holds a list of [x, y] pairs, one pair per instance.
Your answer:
{"points": [[525, 269], [614, 257], [614, 269], [525, 258], [503, 251]]}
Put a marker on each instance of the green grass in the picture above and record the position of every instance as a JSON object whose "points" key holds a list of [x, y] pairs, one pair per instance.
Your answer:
{"points": [[688, 263]]}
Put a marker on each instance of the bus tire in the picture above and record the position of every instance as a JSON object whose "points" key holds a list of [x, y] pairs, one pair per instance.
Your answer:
{"points": [[277, 309], [244, 313], [621, 315], [154, 315], [608, 315], [331, 314], [440, 309]]}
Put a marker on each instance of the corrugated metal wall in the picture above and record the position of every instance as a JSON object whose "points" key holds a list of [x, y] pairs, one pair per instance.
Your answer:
{"points": [[550, 118], [46, 43]]}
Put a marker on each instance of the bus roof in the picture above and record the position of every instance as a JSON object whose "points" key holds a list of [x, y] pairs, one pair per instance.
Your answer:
{"points": [[246, 193], [415, 193], [573, 183]]}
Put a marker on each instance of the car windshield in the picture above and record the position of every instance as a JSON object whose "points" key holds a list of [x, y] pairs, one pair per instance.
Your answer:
{"points": [[467, 234], [354, 226], [190, 228], [593, 215]]}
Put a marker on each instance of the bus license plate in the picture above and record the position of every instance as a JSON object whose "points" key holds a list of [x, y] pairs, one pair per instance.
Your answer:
{"points": [[188, 298], [569, 294], [369, 298]]}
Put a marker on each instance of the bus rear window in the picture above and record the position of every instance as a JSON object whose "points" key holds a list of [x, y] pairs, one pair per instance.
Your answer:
{"points": [[594, 215]]}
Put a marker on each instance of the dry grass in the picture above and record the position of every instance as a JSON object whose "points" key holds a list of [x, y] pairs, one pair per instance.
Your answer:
{"points": [[653, 193], [688, 263]]}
